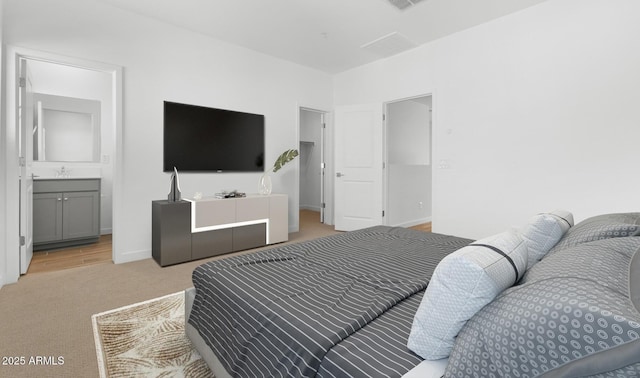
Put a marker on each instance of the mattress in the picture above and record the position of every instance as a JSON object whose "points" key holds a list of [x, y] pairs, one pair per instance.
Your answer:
{"points": [[335, 306]]}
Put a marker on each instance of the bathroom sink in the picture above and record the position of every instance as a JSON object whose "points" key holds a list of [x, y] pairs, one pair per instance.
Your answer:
{"points": [[65, 178], [64, 173]]}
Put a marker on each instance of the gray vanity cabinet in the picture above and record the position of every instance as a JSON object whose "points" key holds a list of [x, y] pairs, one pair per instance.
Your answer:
{"points": [[47, 217], [66, 212]]}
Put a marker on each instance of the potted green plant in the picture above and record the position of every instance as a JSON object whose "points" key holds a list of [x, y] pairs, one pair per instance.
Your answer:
{"points": [[284, 158]]}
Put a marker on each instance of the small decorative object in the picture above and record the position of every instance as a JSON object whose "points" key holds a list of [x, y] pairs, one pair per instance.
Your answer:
{"points": [[265, 179], [265, 184], [174, 188], [231, 194]]}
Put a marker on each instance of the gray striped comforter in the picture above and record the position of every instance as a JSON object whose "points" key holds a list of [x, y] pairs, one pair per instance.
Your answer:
{"points": [[331, 307]]}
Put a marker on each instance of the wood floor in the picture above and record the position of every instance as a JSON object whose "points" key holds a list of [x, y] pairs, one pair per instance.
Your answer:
{"points": [[100, 252], [425, 227], [96, 253]]}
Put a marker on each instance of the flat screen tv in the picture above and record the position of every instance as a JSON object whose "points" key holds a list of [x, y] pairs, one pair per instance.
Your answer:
{"points": [[202, 139]]}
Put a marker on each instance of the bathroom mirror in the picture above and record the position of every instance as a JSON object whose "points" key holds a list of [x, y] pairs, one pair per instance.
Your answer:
{"points": [[66, 129]]}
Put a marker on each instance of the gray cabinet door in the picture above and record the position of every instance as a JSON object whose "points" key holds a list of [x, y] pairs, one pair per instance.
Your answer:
{"points": [[47, 217], [247, 237], [211, 243], [170, 232], [80, 215]]}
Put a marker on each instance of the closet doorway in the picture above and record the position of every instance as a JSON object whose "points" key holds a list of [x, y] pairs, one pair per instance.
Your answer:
{"points": [[312, 167], [408, 173]]}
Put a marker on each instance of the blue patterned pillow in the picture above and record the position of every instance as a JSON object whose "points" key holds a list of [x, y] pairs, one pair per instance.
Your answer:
{"points": [[600, 227]]}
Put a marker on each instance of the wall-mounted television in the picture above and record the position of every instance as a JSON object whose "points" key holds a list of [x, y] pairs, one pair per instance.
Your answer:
{"points": [[203, 139]]}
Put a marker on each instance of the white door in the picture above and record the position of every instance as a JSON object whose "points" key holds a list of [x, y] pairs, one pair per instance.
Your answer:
{"points": [[358, 166], [25, 153]]}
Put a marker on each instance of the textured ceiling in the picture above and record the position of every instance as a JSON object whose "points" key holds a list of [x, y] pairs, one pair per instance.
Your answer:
{"points": [[327, 35]]}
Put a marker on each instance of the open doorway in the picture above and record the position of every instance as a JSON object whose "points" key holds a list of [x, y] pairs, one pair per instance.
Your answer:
{"points": [[19, 157], [75, 138], [408, 180], [312, 167]]}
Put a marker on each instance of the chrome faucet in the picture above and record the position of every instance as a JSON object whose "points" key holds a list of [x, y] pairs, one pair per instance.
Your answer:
{"points": [[63, 172]]}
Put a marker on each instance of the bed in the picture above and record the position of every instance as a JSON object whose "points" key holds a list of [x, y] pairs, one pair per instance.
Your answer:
{"points": [[346, 305]]}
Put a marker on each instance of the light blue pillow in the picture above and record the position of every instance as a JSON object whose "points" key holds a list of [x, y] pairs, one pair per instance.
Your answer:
{"points": [[463, 283], [543, 232]]}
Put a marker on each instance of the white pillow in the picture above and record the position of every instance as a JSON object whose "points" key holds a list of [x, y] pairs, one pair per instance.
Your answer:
{"points": [[543, 232], [463, 283]]}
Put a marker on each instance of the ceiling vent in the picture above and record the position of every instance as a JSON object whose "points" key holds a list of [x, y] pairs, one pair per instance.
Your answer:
{"points": [[389, 45], [403, 4]]}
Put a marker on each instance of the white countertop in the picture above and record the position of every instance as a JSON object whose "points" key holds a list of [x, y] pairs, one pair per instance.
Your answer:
{"points": [[68, 178]]}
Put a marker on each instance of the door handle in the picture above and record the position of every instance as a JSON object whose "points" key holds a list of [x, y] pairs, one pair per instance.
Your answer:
{"points": [[339, 174]]}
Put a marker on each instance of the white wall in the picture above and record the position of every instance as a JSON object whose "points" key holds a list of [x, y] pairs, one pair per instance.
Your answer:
{"points": [[532, 112], [408, 132], [166, 63], [3, 181]]}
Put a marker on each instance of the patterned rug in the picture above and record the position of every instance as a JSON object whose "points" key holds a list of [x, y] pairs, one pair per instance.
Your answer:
{"points": [[147, 339]]}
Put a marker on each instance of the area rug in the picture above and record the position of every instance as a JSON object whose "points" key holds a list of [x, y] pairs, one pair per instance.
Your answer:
{"points": [[147, 339]]}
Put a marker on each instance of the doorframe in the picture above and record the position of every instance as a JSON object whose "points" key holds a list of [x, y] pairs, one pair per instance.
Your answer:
{"points": [[327, 156], [11, 169]]}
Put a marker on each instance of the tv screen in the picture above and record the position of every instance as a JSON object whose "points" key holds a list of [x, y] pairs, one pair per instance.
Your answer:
{"points": [[202, 139]]}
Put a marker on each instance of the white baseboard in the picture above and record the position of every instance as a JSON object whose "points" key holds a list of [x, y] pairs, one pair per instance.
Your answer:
{"points": [[106, 231], [132, 256], [414, 222]]}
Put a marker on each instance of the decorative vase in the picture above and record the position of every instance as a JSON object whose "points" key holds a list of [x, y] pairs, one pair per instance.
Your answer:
{"points": [[265, 184]]}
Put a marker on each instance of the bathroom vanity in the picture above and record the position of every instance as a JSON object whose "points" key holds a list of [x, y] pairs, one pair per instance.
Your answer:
{"points": [[66, 212]]}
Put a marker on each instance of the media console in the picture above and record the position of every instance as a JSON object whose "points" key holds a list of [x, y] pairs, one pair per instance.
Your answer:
{"points": [[194, 229]]}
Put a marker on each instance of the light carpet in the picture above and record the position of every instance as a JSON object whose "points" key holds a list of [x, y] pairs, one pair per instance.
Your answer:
{"points": [[147, 339]]}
